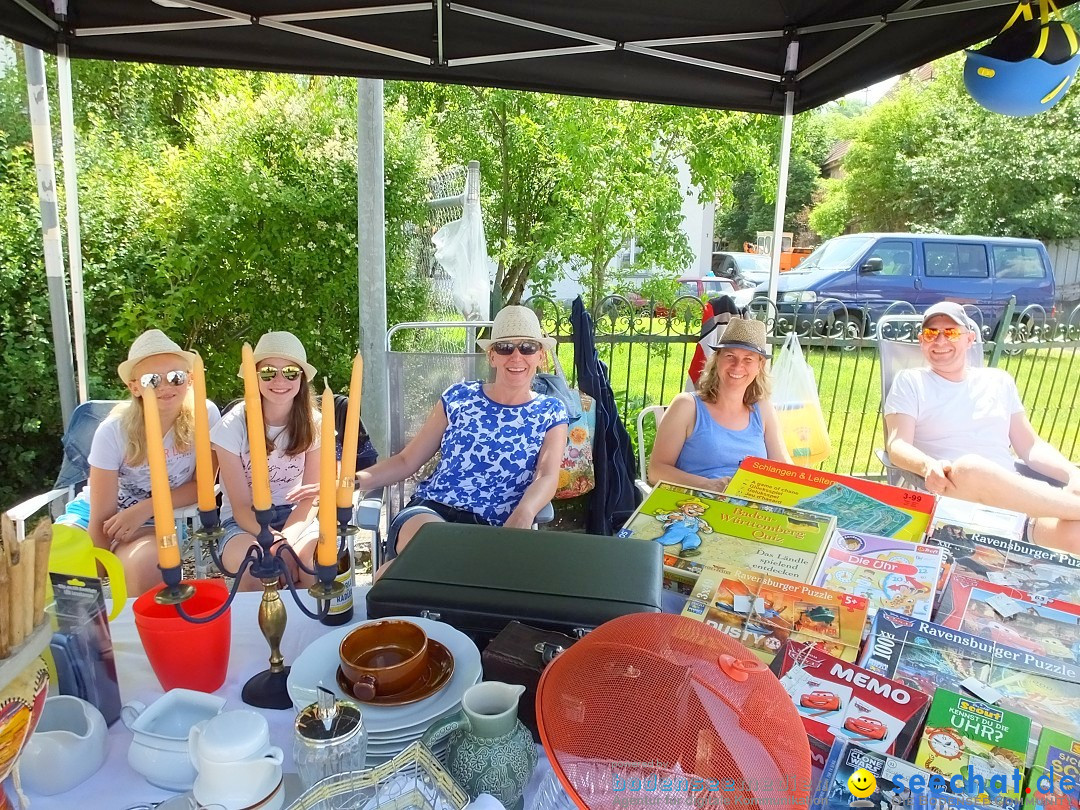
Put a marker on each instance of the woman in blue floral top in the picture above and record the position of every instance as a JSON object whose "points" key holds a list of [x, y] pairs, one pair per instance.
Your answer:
{"points": [[501, 443]]}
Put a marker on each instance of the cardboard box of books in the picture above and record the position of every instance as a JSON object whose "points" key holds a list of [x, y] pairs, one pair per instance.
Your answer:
{"points": [[858, 504], [840, 700], [928, 656], [891, 574], [762, 612], [1043, 626], [1057, 757], [973, 738], [699, 528], [989, 543]]}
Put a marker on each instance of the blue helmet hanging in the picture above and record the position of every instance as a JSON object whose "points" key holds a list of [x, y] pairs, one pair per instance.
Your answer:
{"points": [[1027, 68]]}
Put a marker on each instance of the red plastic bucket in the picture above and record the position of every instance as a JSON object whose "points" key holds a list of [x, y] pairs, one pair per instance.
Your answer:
{"points": [[184, 654]]}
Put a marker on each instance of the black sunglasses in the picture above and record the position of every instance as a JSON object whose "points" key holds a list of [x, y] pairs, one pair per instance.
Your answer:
{"points": [[290, 373], [505, 348], [178, 377]]}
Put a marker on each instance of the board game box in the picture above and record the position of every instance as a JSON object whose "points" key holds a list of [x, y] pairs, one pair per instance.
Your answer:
{"points": [[965, 735], [891, 574], [988, 543], [891, 774], [1057, 757], [840, 700], [699, 528], [927, 656], [858, 504], [763, 611], [1046, 627]]}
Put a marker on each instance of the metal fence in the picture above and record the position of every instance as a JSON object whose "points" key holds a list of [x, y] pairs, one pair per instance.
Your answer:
{"points": [[648, 356]]}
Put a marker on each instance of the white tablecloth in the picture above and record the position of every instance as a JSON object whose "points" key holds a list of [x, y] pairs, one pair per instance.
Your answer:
{"points": [[117, 786]]}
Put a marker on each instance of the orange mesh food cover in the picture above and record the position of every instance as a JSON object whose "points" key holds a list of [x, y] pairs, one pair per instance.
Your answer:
{"points": [[658, 711]]}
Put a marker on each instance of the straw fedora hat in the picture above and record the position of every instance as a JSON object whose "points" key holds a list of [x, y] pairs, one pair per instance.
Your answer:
{"points": [[285, 345], [745, 333], [149, 343], [517, 322]]}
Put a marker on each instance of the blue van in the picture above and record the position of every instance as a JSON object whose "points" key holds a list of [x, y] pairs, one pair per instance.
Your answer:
{"points": [[867, 272]]}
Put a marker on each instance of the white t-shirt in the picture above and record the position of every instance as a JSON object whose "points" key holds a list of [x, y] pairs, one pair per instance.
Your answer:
{"points": [[286, 472], [953, 419], [133, 483]]}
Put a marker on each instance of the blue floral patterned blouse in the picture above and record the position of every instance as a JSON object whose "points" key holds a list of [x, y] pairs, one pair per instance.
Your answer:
{"points": [[489, 451]]}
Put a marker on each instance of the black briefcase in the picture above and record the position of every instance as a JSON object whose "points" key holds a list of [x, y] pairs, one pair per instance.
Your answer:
{"points": [[480, 578]]}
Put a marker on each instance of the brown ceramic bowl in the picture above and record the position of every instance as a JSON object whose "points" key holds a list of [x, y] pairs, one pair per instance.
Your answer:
{"points": [[384, 657]]}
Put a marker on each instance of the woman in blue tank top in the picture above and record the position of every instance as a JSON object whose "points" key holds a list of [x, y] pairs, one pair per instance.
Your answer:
{"points": [[705, 435]]}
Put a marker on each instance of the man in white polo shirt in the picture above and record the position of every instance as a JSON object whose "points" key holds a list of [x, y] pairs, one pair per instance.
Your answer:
{"points": [[962, 429]]}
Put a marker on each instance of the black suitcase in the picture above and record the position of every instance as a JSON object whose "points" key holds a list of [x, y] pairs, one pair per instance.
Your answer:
{"points": [[480, 578]]}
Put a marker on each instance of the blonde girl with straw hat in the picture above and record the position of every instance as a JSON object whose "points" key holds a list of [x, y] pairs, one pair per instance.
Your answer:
{"points": [[121, 509], [292, 444], [705, 435], [501, 443]]}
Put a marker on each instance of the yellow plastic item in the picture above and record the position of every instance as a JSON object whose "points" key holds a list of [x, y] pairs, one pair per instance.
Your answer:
{"points": [[805, 433], [73, 552]]}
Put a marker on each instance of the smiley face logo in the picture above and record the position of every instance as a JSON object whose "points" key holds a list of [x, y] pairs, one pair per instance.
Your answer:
{"points": [[861, 783]]}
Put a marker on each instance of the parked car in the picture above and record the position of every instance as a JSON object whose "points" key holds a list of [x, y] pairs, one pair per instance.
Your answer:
{"points": [[704, 288], [751, 268], [868, 272]]}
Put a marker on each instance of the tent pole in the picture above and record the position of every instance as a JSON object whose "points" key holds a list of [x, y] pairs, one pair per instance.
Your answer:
{"points": [[71, 200], [782, 179], [371, 257], [50, 226]]}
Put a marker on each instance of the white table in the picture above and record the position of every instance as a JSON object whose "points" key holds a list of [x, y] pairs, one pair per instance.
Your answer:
{"points": [[117, 786]]}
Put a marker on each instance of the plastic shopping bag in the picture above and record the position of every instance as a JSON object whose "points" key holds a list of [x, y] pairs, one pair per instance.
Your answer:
{"points": [[795, 397]]}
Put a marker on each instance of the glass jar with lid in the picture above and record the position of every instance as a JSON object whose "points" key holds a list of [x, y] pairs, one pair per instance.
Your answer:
{"points": [[330, 738]]}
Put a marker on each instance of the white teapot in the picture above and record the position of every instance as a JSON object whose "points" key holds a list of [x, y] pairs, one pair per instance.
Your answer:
{"points": [[237, 767]]}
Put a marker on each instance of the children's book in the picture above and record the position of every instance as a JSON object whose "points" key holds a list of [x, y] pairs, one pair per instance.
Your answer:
{"points": [[974, 738], [1045, 627], [892, 780], [840, 700], [699, 528], [891, 574], [858, 504], [762, 612], [988, 543], [927, 656], [1057, 757]]}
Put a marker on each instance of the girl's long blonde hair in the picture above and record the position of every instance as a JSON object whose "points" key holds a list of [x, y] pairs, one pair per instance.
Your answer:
{"points": [[133, 427], [708, 385]]}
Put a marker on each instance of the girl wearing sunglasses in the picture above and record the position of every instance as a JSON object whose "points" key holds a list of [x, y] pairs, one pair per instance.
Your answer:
{"points": [[292, 444], [121, 510], [501, 443]]}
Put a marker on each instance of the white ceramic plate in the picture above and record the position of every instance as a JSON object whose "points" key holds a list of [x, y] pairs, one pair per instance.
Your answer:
{"points": [[318, 664]]}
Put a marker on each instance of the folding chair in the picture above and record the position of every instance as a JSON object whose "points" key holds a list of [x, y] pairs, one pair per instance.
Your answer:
{"points": [[898, 346], [75, 473], [416, 381], [657, 413]]}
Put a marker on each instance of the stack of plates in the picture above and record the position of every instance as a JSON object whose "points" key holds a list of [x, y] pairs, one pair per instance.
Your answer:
{"points": [[391, 729]]}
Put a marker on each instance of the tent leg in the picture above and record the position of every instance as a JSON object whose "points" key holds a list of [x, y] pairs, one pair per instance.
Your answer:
{"points": [[71, 199], [781, 195], [371, 269], [50, 226]]}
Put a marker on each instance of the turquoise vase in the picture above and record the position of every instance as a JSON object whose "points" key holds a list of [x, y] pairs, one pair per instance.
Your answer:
{"points": [[489, 750]]}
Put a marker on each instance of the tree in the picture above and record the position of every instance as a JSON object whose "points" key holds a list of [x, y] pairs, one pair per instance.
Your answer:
{"points": [[930, 159], [567, 179]]}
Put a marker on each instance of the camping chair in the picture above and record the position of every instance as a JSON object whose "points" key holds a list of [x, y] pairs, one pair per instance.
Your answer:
{"points": [[657, 413], [416, 381], [897, 340], [75, 473]]}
